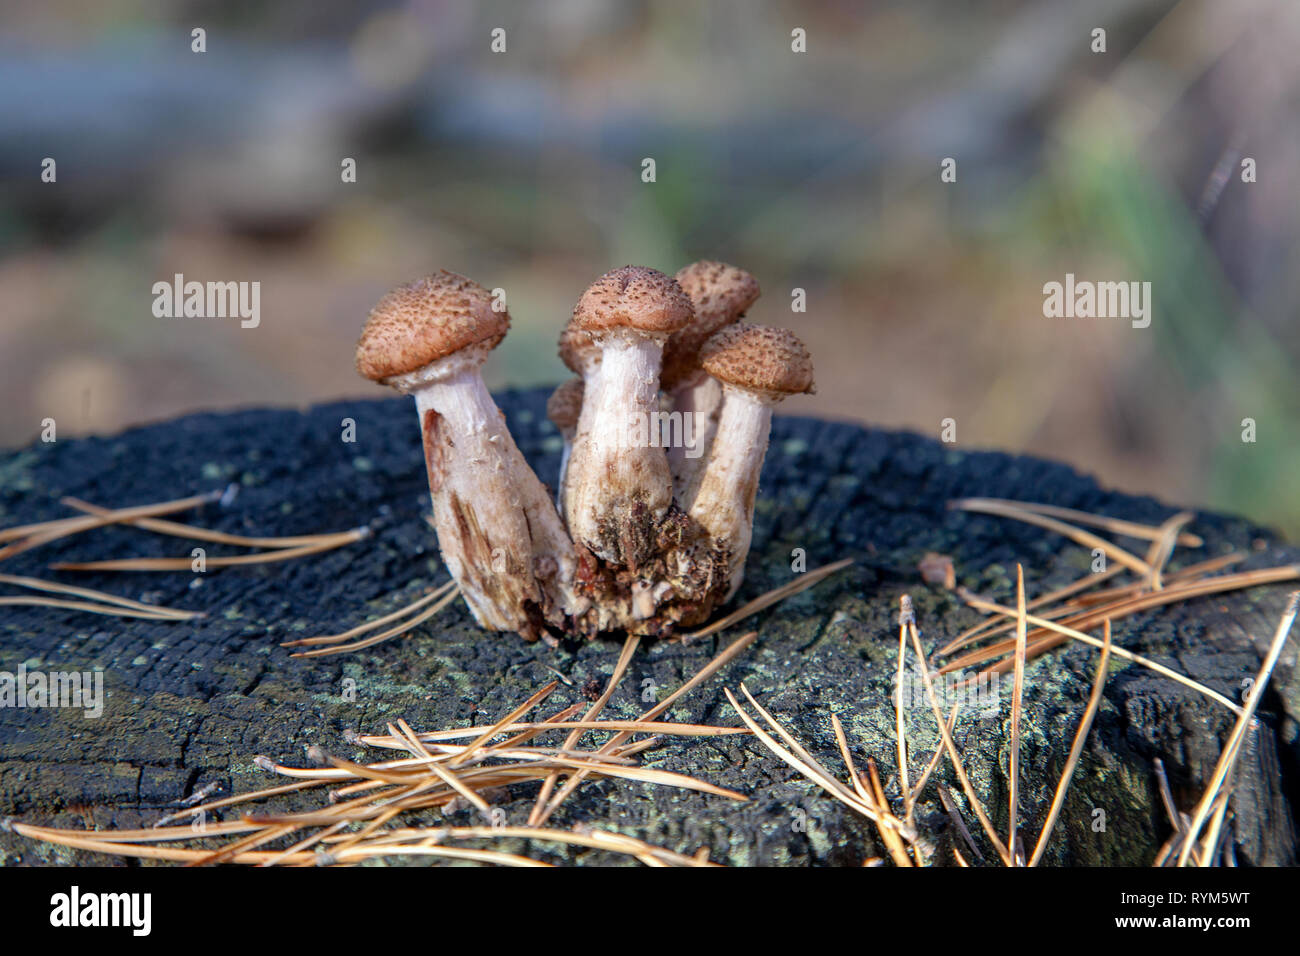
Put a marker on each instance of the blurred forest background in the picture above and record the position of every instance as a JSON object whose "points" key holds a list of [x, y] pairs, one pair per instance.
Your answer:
{"points": [[818, 170]]}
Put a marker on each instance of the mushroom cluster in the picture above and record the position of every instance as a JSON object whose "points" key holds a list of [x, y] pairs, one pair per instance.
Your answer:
{"points": [[665, 428]]}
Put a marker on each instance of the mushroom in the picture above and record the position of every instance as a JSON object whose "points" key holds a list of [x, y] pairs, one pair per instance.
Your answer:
{"points": [[498, 530], [619, 484], [563, 409], [581, 355], [720, 294], [758, 366]]}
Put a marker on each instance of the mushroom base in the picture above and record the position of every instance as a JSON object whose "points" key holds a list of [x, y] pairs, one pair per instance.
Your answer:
{"points": [[680, 586], [618, 485], [498, 530]]}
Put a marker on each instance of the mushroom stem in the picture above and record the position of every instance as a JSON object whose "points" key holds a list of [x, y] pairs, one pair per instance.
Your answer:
{"points": [[500, 535], [699, 401], [569, 495], [618, 475], [757, 367], [720, 294], [564, 408], [565, 452], [582, 356], [727, 483]]}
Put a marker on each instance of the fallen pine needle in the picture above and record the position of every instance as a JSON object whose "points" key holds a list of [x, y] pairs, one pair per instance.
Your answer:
{"points": [[1017, 709], [931, 764], [804, 581], [632, 726], [389, 634], [415, 605], [620, 668], [31, 535], [953, 755], [381, 791], [1117, 651], [1077, 535], [222, 561], [900, 730], [719, 661], [1130, 529], [108, 609], [1041, 643], [1076, 749], [194, 533], [1232, 750], [509, 718], [797, 758], [1161, 549], [893, 842], [1080, 601], [53, 587], [950, 808]]}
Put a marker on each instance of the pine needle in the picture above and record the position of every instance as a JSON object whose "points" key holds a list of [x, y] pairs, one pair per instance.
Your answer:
{"points": [[1232, 750], [1163, 547], [389, 634], [900, 729], [1079, 601], [950, 808], [620, 668], [53, 587], [953, 755], [194, 533], [222, 561], [799, 759], [1076, 750], [1129, 529], [115, 605], [632, 726], [509, 718], [380, 791], [930, 765], [31, 535], [1017, 707], [1117, 651], [719, 661], [415, 605], [1040, 643], [1014, 510], [107, 609], [801, 583], [893, 843]]}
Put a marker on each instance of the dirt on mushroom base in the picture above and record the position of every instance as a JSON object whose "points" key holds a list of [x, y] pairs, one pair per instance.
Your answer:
{"points": [[691, 573], [187, 706]]}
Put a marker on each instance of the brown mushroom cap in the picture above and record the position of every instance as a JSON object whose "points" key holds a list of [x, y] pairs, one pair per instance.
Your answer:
{"points": [[759, 358], [632, 297], [565, 405], [423, 321], [721, 294], [578, 350]]}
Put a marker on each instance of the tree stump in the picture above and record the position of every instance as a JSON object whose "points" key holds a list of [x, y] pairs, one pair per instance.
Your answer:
{"points": [[192, 703]]}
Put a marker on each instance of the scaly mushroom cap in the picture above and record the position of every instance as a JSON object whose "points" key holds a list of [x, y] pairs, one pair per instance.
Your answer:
{"points": [[423, 321], [721, 295], [759, 358], [632, 297], [578, 351], [565, 405]]}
